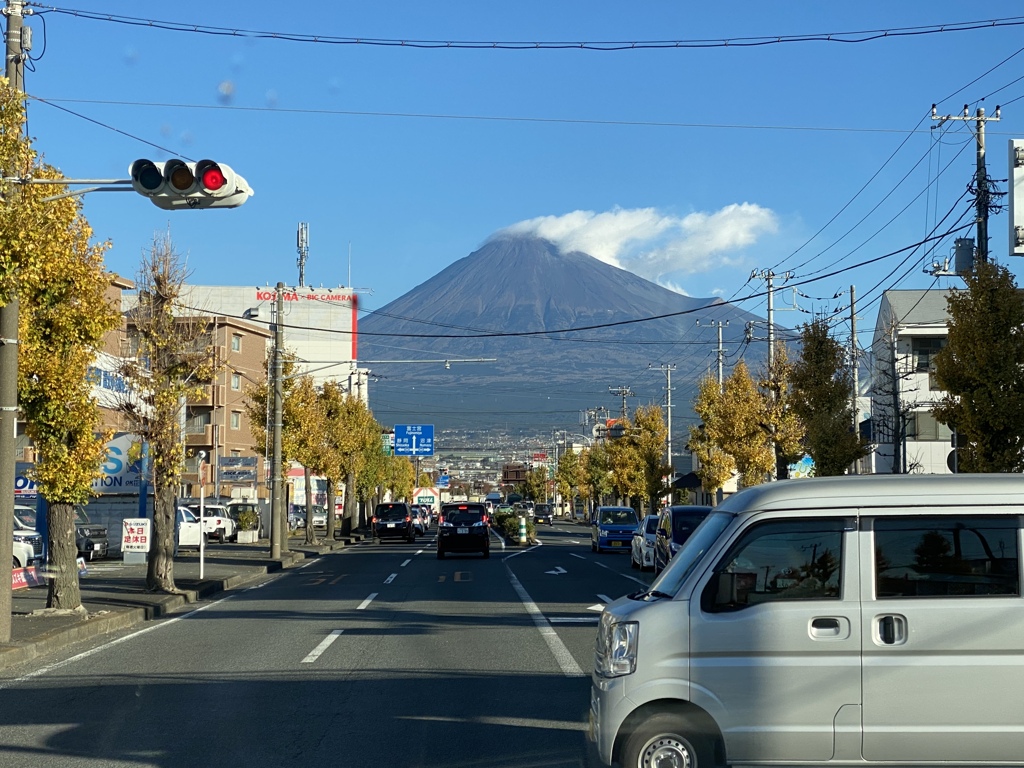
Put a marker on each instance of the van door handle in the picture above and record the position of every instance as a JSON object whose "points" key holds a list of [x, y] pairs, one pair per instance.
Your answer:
{"points": [[892, 629], [829, 627]]}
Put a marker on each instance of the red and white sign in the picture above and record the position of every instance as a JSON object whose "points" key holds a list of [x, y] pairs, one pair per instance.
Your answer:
{"points": [[26, 577], [135, 534]]}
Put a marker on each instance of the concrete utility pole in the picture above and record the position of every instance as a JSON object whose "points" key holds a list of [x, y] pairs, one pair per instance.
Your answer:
{"points": [[277, 512], [622, 392], [667, 369], [15, 72], [854, 361], [982, 194], [721, 350]]}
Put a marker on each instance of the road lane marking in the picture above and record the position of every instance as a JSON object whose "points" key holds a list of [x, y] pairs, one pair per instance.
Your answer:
{"points": [[559, 570], [324, 645], [624, 575], [573, 541], [522, 552], [581, 557], [335, 581], [440, 579], [575, 619], [390, 578], [420, 551], [605, 599], [366, 602], [565, 660], [463, 576], [405, 563], [500, 540]]}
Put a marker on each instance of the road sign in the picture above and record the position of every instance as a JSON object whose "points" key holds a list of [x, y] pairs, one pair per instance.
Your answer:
{"points": [[135, 536], [444, 481], [414, 440]]}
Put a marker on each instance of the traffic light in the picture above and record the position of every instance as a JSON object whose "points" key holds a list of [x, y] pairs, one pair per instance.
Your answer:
{"points": [[175, 184]]}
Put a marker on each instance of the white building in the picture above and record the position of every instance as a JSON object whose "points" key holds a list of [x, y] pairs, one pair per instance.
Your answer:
{"points": [[911, 328], [320, 325]]}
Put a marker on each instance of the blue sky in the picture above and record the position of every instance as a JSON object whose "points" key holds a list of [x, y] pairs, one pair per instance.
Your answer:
{"points": [[689, 166]]}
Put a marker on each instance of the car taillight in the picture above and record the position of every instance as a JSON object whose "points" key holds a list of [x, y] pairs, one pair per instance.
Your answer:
{"points": [[440, 520], [373, 519], [408, 519]]}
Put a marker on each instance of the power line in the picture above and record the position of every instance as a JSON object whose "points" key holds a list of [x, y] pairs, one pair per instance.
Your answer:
{"points": [[862, 36]]}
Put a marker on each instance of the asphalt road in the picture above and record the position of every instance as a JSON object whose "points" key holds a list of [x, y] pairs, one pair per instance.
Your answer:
{"points": [[373, 655]]}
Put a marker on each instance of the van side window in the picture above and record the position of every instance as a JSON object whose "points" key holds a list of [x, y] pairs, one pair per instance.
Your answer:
{"points": [[779, 560], [946, 556]]}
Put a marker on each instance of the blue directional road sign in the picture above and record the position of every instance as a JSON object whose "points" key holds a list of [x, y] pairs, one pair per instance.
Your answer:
{"points": [[414, 440]]}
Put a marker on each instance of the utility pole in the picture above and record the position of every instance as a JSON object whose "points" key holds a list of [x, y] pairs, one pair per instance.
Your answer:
{"points": [[278, 538], [667, 369], [721, 351], [982, 193], [15, 72], [302, 241], [622, 392], [855, 365]]}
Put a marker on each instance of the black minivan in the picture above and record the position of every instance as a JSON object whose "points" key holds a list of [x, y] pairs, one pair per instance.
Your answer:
{"points": [[393, 521], [675, 524]]}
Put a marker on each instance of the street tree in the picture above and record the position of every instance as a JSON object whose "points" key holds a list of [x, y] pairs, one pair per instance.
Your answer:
{"points": [[398, 477], [595, 463], [64, 316], [307, 437], [353, 437], [625, 468], [259, 408], [980, 371], [714, 466], [822, 398], [173, 361], [649, 437], [738, 426], [536, 485]]}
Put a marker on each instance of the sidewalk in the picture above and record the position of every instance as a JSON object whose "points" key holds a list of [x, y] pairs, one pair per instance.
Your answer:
{"points": [[115, 596]]}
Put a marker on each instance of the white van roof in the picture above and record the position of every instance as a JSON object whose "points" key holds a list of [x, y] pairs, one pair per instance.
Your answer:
{"points": [[879, 491]]}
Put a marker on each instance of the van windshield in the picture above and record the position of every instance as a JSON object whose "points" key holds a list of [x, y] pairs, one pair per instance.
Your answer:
{"points": [[702, 539]]}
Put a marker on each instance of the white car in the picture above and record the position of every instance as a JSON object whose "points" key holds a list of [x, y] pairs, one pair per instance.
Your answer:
{"points": [[187, 530], [642, 555], [217, 521], [28, 544]]}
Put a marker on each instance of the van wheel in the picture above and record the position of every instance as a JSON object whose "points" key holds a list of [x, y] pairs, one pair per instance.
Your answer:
{"points": [[668, 738], [16, 563]]}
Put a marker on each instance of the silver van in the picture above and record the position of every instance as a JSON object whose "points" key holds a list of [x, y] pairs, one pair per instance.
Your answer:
{"points": [[830, 621]]}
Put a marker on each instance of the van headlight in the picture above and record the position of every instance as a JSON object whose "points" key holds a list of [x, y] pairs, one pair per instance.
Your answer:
{"points": [[615, 654]]}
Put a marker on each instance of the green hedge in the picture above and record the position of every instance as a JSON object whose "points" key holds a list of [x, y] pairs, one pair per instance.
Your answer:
{"points": [[508, 524]]}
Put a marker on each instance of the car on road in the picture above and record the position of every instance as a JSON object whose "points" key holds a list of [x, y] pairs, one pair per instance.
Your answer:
{"points": [[544, 513], [393, 520], [28, 543], [217, 521], [464, 529], [612, 528], [642, 553], [90, 537], [675, 524], [188, 530]]}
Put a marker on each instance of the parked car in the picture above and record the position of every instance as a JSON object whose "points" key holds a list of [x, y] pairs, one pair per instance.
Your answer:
{"points": [[675, 524], [320, 516], [90, 537], [393, 520], [28, 544], [464, 529], [543, 513], [612, 528], [642, 553], [217, 521], [187, 530]]}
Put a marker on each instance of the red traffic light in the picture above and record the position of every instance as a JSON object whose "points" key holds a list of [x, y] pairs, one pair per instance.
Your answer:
{"points": [[212, 178]]}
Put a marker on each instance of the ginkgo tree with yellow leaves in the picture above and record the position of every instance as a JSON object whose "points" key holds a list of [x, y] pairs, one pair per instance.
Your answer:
{"points": [[47, 257]]}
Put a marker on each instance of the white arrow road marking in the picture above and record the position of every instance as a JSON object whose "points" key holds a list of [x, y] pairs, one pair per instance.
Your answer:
{"points": [[558, 570], [324, 645]]}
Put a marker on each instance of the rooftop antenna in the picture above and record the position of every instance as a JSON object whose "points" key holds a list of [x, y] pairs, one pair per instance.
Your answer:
{"points": [[302, 241]]}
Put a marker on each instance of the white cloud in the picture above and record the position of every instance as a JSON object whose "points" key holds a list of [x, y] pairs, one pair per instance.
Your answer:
{"points": [[656, 245]]}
